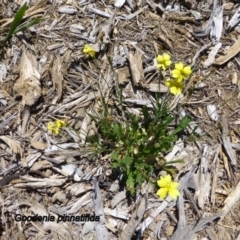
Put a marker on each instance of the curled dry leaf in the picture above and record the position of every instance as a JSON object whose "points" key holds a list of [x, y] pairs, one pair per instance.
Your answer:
{"points": [[28, 86]]}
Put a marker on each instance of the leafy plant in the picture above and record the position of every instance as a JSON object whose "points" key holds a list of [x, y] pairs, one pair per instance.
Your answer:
{"points": [[16, 27], [137, 147]]}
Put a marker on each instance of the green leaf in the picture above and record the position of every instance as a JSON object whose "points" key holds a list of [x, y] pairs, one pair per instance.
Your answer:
{"points": [[16, 21], [118, 131], [172, 162], [134, 126], [130, 183], [28, 25], [139, 178], [114, 156], [93, 139], [170, 169], [182, 125], [127, 161], [93, 118]]}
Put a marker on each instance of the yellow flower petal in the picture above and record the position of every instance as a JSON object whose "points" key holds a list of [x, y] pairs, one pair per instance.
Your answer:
{"points": [[175, 86], [187, 71], [51, 126], [161, 66], [160, 59], [56, 131], [163, 61], [162, 193], [174, 185], [176, 74], [168, 178], [164, 181], [179, 66], [89, 51], [179, 80], [168, 63], [60, 123], [173, 193], [174, 90], [166, 57], [168, 82], [167, 187]]}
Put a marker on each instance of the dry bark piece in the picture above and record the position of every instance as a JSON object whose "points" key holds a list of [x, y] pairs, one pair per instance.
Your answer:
{"points": [[212, 112], [118, 198], [60, 196], [39, 145], [211, 57], [217, 25], [3, 72], [98, 210], [156, 87], [179, 18], [166, 41], [67, 9], [70, 171], [230, 53], [226, 141], [137, 215], [215, 174], [135, 61], [105, 31], [232, 198], [123, 75], [131, 4], [204, 178], [119, 3], [182, 227], [76, 28], [234, 78], [229, 6], [15, 148], [36, 183], [233, 21], [57, 76], [28, 84]]}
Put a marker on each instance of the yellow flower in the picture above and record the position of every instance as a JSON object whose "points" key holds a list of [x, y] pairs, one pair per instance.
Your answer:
{"points": [[60, 123], [89, 51], [55, 126], [174, 86], [180, 72], [167, 187], [163, 61]]}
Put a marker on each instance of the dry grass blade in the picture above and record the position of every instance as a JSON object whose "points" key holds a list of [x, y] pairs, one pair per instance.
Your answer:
{"points": [[226, 141]]}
